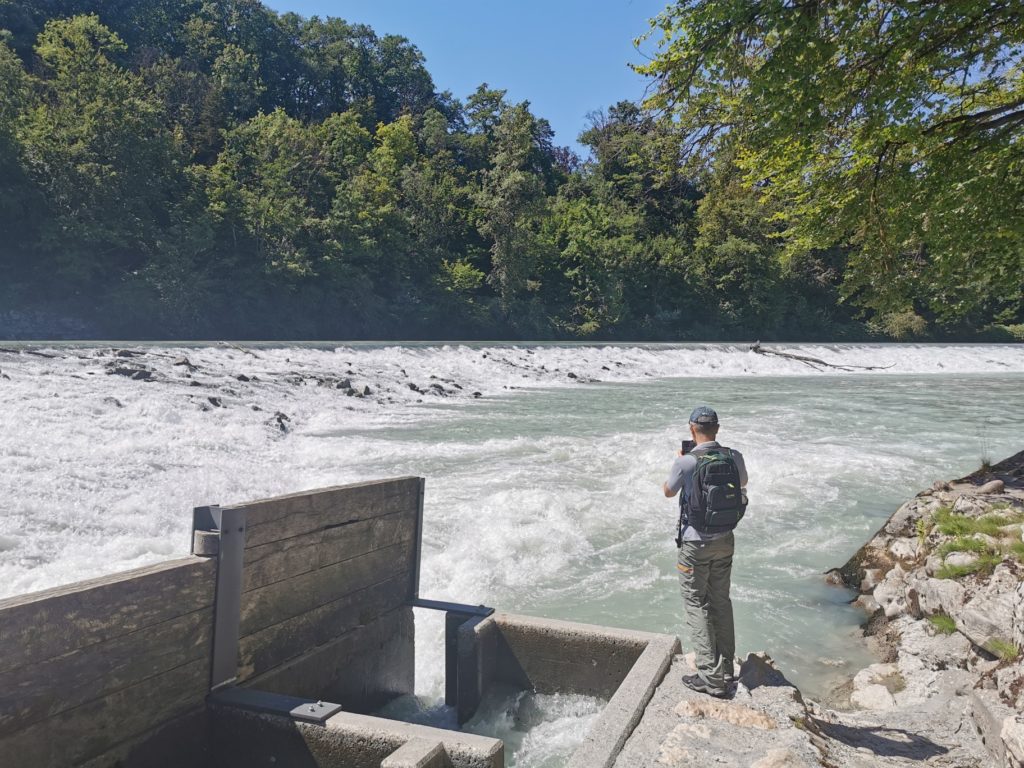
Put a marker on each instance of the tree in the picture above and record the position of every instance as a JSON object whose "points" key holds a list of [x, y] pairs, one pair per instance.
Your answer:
{"points": [[891, 125], [97, 146]]}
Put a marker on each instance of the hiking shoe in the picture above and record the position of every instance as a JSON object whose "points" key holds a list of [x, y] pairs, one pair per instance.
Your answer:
{"points": [[696, 683]]}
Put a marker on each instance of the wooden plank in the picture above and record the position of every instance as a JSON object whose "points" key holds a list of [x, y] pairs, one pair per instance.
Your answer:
{"points": [[278, 644], [279, 560], [360, 669], [64, 619], [287, 516], [282, 600], [32, 692], [79, 734]]}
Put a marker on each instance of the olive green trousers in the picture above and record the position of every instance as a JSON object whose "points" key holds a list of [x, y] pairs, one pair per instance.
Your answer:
{"points": [[705, 574]]}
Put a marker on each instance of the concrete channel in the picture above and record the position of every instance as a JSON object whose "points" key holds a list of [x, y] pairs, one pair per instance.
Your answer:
{"points": [[275, 640]]}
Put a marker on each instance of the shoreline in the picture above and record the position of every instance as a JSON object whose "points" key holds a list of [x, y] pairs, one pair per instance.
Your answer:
{"points": [[949, 691]]}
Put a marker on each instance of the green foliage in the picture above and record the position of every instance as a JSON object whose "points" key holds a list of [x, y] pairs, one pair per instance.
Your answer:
{"points": [[943, 623], [892, 127], [984, 565], [1004, 650], [922, 532], [952, 524], [217, 169], [962, 544]]}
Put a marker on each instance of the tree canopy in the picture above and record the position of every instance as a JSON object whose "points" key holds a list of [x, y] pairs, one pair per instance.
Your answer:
{"points": [[195, 169], [892, 128]]}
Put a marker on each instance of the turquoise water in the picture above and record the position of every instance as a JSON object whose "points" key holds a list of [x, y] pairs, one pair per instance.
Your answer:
{"points": [[543, 493]]}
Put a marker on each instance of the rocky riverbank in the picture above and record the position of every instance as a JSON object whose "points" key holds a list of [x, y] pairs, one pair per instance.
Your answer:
{"points": [[943, 586]]}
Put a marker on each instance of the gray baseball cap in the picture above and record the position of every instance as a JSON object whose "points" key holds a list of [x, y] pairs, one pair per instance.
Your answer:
{"points": [[703, 415]]}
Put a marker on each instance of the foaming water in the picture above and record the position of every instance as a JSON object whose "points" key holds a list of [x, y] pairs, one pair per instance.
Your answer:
{"points": [[543, 501]]}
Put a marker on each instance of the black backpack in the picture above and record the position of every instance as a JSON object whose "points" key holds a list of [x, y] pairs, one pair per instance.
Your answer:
{"points": [[716, 503]]}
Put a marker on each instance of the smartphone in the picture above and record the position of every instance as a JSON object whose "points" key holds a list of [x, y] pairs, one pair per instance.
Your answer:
{"points": [[689, 445]]}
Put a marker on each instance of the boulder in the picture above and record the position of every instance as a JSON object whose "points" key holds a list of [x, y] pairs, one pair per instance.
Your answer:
{"points": [[958, 559], [891, 593], [970, 506], [927, 596], [1017, 629], [992, 486], [875, 697], [1012, 735], [990, 614], [904, 548]]}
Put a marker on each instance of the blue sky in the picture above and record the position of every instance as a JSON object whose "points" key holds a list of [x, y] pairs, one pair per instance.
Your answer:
{"points": [[566, 57]]}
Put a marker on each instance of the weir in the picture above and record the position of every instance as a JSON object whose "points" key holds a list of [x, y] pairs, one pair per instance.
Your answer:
{"points": [[274, 641]]}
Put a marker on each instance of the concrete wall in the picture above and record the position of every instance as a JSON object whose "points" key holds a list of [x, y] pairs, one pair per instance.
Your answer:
{"points": [[117, 669], [347, 740], [552, 656]]}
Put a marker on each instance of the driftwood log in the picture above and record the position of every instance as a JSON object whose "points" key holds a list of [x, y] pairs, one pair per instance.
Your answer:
{"points": [[814, 362]]}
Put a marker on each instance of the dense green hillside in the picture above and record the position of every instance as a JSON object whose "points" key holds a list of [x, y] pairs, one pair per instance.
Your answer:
{"points": [[173, 168]]}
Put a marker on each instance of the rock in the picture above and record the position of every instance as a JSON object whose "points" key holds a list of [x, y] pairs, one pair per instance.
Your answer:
{"points": [[990, 721], [904, 548], [874, 697], [990, 614], [572, 375], [872, 577], [127, 353], [927, 597], [724, 711], [938, 485], [835, 577], [1012, 736], [757, 670], [891, 593], [1018, 617], [215, 402], [279, 420], [113, 401], [411, 385], [781, 757], [1010, 685], [242, 377], [992, 486], [478, 394], [972, 507], [136, 374], [366, 391], [932, 564], [961, 559], [343, 384], [184, 361], [867, 603]]}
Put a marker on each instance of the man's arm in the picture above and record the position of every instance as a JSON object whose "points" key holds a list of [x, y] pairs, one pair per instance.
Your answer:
{"points": [[741, 468], [674, 484]]}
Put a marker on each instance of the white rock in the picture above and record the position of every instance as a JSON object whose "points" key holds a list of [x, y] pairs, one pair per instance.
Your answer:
{"points": [[904, 549], [927, 597], [891, 593], [873, 697], [1012, 735], [992, 486], [990, 614], [957, 559]]}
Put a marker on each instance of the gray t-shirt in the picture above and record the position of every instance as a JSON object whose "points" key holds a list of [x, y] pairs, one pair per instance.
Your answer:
{"points": [[680, 478]]}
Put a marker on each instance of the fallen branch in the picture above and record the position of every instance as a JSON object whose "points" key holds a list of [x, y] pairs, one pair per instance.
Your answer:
{"points": [[814, 362], [240, 349]]}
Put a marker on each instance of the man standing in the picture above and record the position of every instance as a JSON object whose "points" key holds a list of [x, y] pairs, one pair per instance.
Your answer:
{"points": [[711, 478]]}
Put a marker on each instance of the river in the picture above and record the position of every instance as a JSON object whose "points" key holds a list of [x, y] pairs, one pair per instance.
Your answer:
{"points": [[543, 490]]}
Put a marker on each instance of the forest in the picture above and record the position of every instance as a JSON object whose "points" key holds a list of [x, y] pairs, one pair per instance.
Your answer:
{"points": [[199, 169]]}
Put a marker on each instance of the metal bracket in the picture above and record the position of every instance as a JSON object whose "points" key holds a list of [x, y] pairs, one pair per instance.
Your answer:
{"points": [[441, 605], [306, 710], [229, 526], [414, 589]]}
